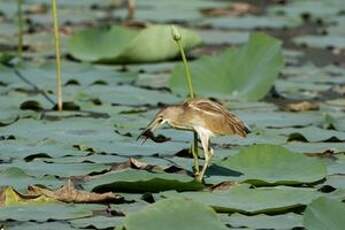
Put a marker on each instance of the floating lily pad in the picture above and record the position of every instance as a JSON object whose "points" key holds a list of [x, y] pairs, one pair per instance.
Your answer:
{"points": [[263, 221], [39, 226], [301, 147], [314, 134], [325, 213], [97, 222], [329, 41], [176, 213], [121, 45], [248, 72], [47, 212], [244, 199], [275, 165], [39, 168], [141, 181], [253, 22], [18, 179]]}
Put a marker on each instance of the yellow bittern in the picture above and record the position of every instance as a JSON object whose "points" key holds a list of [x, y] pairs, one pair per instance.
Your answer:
{"points": [[205, 117]]}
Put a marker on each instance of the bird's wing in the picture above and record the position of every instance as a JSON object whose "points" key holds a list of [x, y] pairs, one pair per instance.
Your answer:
{"points": [[225, 122], [207, 106]]}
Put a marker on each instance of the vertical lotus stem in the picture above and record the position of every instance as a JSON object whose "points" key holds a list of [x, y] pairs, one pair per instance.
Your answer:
{"points": [[177, 38], [130, 9], [20, 28], [58, 55]]}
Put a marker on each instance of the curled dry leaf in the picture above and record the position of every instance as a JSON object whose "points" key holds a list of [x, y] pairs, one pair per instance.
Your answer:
{"points": [[68, 193], [235, 9], [9, 196], [302, 106], [223, 186]]}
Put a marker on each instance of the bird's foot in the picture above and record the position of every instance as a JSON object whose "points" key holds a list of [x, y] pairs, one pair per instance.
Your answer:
{"points": [[199, 176]]}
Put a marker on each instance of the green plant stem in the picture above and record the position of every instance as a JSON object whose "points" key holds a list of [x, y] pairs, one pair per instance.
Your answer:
{"points": [[20, 29], [57, 53], [194, 148], [187, 70]]}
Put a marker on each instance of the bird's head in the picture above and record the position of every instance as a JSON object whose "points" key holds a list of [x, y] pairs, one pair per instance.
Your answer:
{"points": [[165, 115]]}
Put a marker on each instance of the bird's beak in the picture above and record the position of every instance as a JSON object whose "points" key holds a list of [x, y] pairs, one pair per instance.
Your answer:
{"points": [[148, 132]]}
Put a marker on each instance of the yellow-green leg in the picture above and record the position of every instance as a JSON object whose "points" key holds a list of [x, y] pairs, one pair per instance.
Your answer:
{"points": [[195, 154], [208, 157]]}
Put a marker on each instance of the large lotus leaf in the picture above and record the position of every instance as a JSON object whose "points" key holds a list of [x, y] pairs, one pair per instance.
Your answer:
{"points": [[313, 134], [53, 211], [81, 74], [38, 226], [336, 167], [72, 131], [301, 147], [28, 150], [244, 199], [321, 41], [97, 222], [17, 178], [39, 168], [177, 213], [268, 119], [275, 165], [220, 37], [245, 73], [253, 22], [141, 181], [324, 213], [336, 181], [314, 9], [263, 221], [121, 45]]}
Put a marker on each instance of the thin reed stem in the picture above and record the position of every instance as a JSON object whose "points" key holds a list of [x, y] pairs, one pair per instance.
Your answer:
{"points": [[177, 38], [58, 54], [20, 29]]}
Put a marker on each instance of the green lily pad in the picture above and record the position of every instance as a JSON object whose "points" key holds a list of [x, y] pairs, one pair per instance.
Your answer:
{"points": [[121, 45], [141, 181], [315, 147], [324, 213], [263, 221], [97, 222], [253, 22], [176, 213], [38, 226], [246, 73], [275, 165], [315, 9], [39, 168], [18, 179], [321, 41], [244, 199], [336, 181], [54, 211], [314, 134]]}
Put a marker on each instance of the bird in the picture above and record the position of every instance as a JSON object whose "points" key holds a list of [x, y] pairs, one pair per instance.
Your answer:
{"points": [[205, 117]]}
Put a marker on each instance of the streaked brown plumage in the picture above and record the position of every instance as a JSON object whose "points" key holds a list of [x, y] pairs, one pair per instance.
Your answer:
{"points": [[203, 116]]}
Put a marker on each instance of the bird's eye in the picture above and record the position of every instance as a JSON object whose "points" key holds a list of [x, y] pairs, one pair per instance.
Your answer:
{"points": [[160, 119]]}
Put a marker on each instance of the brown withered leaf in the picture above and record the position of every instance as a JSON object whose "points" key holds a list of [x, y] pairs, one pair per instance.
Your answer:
{"points": [[68, 193], [302, 106], [235, 9], [223, 186], [328, 154]]}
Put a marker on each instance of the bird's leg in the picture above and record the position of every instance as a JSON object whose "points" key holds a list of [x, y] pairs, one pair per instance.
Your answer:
{"points": [[208, 154], [195, 154]]}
